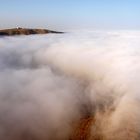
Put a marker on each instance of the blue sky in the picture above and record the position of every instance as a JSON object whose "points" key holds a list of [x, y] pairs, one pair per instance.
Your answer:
{"points": [[70, 14]]}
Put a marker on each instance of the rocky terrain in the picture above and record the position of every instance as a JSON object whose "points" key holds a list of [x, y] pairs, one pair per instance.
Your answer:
{"points": [[24, 31]]}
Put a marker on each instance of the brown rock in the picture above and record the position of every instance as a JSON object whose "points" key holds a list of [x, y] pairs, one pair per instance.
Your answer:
{"points": [[24, 31]]}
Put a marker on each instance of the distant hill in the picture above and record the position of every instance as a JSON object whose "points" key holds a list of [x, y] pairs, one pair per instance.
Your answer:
{"points": [[24, 31]]}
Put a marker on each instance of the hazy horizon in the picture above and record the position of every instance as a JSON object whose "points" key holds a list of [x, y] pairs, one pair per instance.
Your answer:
{"points": [[71, 14]]}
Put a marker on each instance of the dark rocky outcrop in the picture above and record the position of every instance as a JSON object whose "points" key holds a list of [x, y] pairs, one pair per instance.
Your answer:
{"points": [[25, 31]]}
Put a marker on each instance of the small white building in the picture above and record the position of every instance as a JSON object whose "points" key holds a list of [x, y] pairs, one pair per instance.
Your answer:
{"points": [[18, 28]]}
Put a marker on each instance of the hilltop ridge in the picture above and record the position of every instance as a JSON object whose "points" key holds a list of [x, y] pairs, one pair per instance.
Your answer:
{"points": [[24, 31]]}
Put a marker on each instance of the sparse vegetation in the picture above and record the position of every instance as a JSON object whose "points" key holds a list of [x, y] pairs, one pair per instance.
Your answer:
{"points": [[25, 31]]}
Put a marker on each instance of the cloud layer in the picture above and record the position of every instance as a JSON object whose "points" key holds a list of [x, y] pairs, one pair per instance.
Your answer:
{"points": [[49, 82]]}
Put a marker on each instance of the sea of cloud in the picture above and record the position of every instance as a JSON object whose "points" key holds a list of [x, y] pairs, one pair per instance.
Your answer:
{"points": [[49, 82]]}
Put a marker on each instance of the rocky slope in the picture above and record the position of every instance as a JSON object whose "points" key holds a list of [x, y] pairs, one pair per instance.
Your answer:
{"points": [[24, 31]]}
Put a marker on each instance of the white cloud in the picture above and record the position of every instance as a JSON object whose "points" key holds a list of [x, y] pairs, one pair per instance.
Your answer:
{"points": [[47, 82]]}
